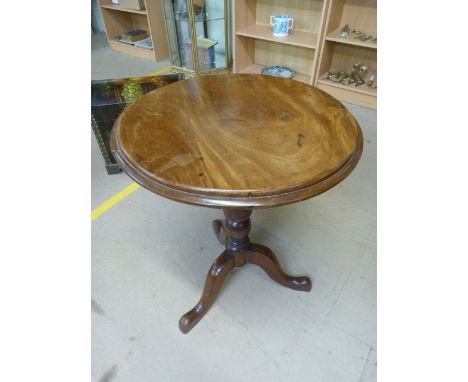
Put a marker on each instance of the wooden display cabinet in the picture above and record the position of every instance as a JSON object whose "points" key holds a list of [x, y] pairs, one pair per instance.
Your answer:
{"points": [[118, 20], [340, 54], [313, 46], [255, 46]]}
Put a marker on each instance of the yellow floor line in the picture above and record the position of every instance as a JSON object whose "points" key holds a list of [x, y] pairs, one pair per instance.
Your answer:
{"points": [[165, 69], [98, 211]]}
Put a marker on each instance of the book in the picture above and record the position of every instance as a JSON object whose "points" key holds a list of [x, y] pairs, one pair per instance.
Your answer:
{"points": [[134, 35], [145, 43], [205, 42], [125, 42]]}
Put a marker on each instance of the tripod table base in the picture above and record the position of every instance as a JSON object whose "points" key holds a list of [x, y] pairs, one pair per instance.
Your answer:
{"points": [[239, 251]]}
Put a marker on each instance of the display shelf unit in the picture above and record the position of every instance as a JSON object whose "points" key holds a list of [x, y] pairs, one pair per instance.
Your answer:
{"points": [[255, 47], [118, 20], [340, 53]]}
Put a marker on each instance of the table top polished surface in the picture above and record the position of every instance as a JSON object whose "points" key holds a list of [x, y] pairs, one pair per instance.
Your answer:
{"points": [[237, 141]]}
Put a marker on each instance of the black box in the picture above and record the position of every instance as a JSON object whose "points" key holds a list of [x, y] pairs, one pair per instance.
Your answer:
{"points": [[110, 97]]}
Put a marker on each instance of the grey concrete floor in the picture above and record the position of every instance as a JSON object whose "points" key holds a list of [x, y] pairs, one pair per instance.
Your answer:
{"points": [[106, 63], [150, 257]]}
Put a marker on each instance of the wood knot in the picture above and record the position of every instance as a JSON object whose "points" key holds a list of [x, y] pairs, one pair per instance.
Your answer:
{"points": [[300, 140]]}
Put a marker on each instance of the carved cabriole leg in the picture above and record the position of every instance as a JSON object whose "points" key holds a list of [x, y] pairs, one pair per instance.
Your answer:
{"points": [[214, 280], [234, 234], [265, 258]]}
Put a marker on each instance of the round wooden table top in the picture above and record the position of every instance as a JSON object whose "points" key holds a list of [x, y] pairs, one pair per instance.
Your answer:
{"points": [[237, 141]]}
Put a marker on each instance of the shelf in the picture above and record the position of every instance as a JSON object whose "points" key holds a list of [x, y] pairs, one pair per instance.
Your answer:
{"points": [[256, 69], [335, 36], [119, 19], [363, 89], [118, 8], [131, 49], [295, 37]]}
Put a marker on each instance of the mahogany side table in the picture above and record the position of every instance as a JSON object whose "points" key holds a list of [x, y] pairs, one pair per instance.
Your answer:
{"points": [[237, 142]]}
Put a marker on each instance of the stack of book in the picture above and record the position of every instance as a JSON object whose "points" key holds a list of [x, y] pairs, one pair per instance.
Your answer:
{"points": [[136, 37]]}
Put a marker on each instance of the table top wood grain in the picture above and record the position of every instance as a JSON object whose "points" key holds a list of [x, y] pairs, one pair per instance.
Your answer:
{"points": [[237, 141]]}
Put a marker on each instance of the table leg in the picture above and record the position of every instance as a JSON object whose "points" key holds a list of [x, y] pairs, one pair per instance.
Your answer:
{"points": [[214, 280], [234, 234], [265, 258]]}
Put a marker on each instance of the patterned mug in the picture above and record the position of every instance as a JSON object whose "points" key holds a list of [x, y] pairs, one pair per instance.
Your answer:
{"points": [[281, 24]]}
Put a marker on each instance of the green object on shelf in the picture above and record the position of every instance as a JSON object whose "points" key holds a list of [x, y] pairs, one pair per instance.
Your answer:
{"points": [[206, 42]]}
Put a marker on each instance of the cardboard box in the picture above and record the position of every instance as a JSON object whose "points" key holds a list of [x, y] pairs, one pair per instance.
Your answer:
{"points": [[139, 5]]}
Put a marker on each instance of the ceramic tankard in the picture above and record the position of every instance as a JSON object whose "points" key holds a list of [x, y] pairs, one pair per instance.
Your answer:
{"points": [[281, 24]]}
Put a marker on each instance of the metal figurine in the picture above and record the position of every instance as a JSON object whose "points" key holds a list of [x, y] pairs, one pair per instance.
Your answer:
{"points": [[357, 73], [336, 76], [356, 77], [364, 37], [370, 81], [344, 33], [347, 81]]}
